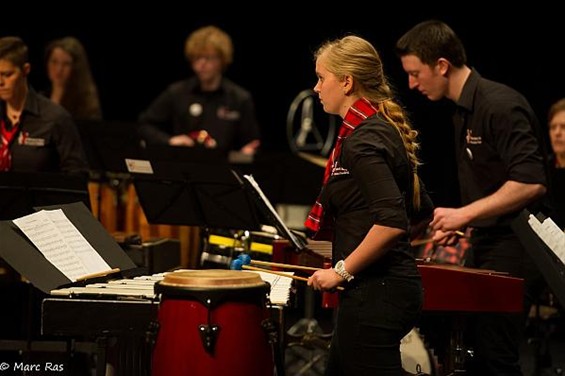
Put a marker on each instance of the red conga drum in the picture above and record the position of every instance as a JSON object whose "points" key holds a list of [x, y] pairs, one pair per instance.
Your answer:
{"points": [[213, 322]]}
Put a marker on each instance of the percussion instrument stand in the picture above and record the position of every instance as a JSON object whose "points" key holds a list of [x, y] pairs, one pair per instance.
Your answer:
{"points": [[458, 352], [101, 349], [309, 333], [542, 330]]}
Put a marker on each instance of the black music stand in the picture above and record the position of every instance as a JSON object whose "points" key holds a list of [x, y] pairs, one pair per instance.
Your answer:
{"points": [[195, 194], [183, 154], [549, 265], [545, 259], [20, 192], [108, 143], [27, 260], [269, 212], [285, 178], [306, 330]]}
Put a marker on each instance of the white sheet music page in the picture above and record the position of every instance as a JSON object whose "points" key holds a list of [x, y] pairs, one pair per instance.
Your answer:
{"points": [[550, 234], [280, 286], [61, 243], [293, 238]]}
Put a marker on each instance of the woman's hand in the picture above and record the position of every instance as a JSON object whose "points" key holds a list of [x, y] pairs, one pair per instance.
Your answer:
{"points": [[324, 279]]}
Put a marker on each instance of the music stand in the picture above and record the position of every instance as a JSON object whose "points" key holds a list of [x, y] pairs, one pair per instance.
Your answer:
{"points": [[307, 328], [183, 154], [20, 192], [544, 257], [108, 143], [271, 215], [195, 194]]}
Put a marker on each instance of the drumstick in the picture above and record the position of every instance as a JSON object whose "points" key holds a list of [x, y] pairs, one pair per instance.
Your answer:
{"points": [[281, 274], [99, 274], [246, 260], [430, 240], [285, 266], [248, 267]]}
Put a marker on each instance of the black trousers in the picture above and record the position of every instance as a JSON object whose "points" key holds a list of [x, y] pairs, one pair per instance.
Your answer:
{"points": [[495, 337], [372, 317]]}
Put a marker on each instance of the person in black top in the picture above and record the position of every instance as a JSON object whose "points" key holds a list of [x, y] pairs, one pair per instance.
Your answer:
{"points": [[206, 109], [371, 192], [556, 121], [37, 135], [501, 171]]}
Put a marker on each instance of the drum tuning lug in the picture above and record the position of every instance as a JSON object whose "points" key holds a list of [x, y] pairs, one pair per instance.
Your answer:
{"points": [[209, 335], [271, 329], [151, 334]]}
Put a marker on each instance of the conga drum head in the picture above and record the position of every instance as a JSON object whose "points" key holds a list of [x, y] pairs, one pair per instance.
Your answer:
{"points": [[212, 278], [212, 287]]}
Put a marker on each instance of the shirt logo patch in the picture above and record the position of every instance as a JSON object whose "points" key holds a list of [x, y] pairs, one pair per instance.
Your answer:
{"points": [[473, 140], [225, 114], [337, 170], [30, 141]]}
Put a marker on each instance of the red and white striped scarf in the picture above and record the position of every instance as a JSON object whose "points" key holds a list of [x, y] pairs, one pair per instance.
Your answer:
{"points": [[8, 136], [359, 111]]}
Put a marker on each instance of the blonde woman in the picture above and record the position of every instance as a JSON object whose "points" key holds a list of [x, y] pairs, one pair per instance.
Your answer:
{"points": [[370, 192], [208, 109]]}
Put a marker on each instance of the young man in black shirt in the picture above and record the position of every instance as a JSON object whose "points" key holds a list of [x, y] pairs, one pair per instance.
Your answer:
{"points": [[500, 168]]}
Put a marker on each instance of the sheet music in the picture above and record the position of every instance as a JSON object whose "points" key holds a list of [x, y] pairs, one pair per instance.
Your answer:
{"points": [[296, 241], [280, 286], [61, 243], [551, 234]]}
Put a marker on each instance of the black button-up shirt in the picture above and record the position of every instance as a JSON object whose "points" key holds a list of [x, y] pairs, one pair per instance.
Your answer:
{"points": [[495, 141], [228, 114], [47, 139]]}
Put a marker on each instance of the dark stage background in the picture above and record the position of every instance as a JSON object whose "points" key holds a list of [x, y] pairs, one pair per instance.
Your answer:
{"points": [[136, 54]]}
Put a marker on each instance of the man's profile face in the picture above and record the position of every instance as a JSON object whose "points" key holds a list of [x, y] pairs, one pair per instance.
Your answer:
{"points": [[424, 78]]}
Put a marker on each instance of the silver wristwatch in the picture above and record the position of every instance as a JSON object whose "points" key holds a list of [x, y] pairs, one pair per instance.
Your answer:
{"points": [[340, 270]]}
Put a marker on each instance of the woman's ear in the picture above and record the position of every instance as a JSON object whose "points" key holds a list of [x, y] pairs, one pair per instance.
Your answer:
{"points": [[26, 69], [347, 85]]}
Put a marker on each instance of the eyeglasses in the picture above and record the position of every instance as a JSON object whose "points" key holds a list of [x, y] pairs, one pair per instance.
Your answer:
{"points": [[206, 58]]}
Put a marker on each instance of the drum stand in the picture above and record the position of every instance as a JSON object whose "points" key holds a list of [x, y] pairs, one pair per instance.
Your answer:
{"points": [[309, 335]]}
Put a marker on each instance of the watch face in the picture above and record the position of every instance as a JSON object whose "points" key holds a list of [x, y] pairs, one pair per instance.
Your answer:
{"points": [[340, 269], [339, 266]]}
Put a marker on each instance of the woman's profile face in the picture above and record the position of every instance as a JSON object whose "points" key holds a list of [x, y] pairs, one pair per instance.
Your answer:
{"points": [[12, 79], [329, 89], [59, 66], [557, 132]]}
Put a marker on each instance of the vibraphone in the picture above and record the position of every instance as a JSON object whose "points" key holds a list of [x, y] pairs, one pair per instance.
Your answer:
{"points": [[121, 317]]}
